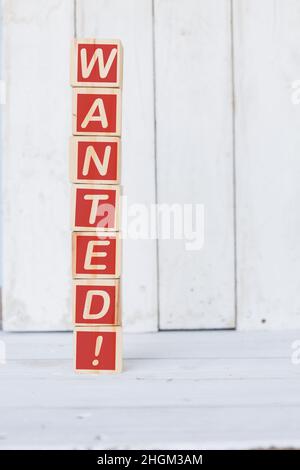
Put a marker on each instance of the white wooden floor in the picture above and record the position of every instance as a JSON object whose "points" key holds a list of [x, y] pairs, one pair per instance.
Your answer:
{"points": [[223, 389]]}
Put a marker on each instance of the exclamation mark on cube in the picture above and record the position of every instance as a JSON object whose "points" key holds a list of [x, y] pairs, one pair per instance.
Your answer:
{"points": [[99, 342]]}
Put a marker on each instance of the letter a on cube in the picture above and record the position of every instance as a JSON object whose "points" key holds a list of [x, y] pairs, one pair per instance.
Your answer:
{"points": [[96, 302], [96, 63], [96, 111], [98, 349]]}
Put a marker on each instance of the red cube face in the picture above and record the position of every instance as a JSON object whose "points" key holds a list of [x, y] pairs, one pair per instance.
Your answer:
{"points": [[96, 302], [97, 63], [95, 207], [95, 160], [98, 349], [96, 111], [95, 255]]}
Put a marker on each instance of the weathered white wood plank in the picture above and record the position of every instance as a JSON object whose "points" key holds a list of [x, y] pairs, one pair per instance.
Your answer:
{"points": [[131, 22], [98, 393], [148, 428], [176, 402], [266, 44], [36, 205], [165, 345], [194, 158], [156, 370]]}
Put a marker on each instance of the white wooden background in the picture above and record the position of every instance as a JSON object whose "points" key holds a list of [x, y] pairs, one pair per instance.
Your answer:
{"points": [[207, 118]]}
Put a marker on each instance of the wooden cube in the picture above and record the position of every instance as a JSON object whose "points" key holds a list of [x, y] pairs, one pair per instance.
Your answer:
{"points": [[96, 302], [96, 63], [98, 349], [95, 207], [96, 255], [96, 111], [95, 160]]}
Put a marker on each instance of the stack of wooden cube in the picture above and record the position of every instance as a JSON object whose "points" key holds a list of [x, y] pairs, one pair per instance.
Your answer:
{"points": [[96, 78]]}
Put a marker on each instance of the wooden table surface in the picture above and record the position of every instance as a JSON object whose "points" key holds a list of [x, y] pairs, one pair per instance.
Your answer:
{"points": [[214, 389]]}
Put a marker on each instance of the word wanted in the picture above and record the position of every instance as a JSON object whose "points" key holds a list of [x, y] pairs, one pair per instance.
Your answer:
{"points": [[95, 149]]}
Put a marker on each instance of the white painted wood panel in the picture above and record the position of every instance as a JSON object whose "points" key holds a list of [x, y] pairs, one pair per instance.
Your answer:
{"points": [[195, 158], [131, 21], [36, 202], [267, 58], [193, 84]]}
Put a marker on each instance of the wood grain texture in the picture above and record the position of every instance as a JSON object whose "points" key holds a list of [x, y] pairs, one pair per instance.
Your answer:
{"points": [[36, 201], [131, 21], [267, 57], [195, 159]]}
